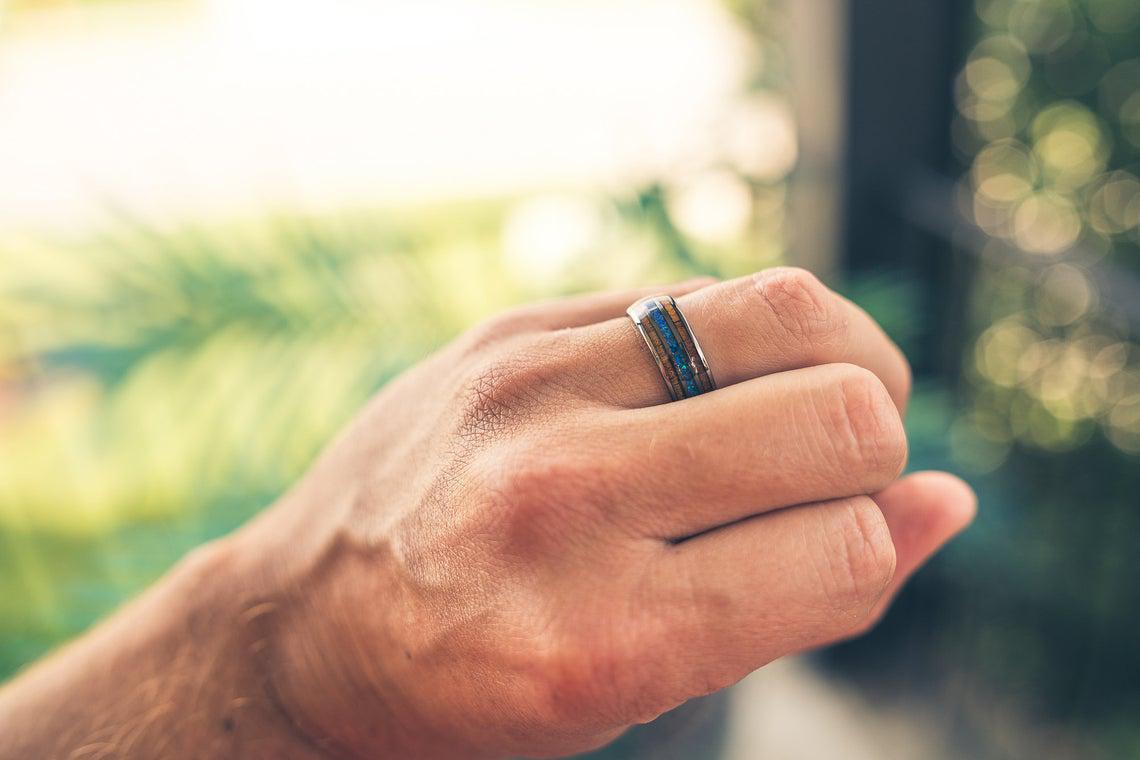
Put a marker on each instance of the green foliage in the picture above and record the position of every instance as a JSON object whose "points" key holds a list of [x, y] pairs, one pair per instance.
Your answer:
{"points": [[160, 386], [163, 385]]}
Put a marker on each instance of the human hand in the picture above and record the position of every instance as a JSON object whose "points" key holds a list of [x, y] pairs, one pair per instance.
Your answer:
{"points": [[520, 549]]}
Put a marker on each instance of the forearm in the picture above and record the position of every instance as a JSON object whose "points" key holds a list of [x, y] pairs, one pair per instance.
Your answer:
{"points": [[177, 673]]}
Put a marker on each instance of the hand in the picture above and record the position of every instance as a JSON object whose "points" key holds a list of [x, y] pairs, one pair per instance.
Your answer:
{"points": [[520, 549]]}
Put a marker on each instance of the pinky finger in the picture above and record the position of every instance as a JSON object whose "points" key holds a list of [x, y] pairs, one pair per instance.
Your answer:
{"points": [[578, 311]]}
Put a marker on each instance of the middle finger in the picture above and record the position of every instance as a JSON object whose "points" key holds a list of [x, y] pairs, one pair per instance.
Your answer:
{"points": [[791, 438]]}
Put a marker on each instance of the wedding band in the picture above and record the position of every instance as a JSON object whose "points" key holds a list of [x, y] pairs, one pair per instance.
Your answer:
{"points": [[673, 345]]}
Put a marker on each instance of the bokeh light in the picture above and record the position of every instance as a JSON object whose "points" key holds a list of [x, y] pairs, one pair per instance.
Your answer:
{"points": [[1050, 122]]}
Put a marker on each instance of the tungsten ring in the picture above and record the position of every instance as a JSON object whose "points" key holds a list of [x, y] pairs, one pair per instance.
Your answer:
{"points": [[673, 345]]}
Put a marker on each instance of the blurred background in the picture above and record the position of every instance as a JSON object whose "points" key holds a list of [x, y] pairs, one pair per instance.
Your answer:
{"points": [[224, 223]]}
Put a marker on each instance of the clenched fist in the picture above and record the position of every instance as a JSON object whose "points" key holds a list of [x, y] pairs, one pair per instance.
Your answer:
{"points": [[521, 547]]}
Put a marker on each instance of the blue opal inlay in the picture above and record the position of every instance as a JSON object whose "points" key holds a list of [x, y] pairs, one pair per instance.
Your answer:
{"points": [[679, 357]]}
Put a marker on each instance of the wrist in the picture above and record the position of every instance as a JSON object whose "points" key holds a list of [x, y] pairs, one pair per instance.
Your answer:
{"points": [[220, 597], [176, 673], [323, 668], [348, 678]]}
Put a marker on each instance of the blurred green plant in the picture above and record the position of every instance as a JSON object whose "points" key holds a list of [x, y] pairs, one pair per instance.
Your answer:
{"points": [[156, 365], [159, 386]]}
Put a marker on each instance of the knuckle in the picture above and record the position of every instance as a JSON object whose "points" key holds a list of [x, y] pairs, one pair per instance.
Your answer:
{"points": [[567, 682], [493, 392], [535, 494], [861, 558], [535, 476], [805, 309], [867, 432], [589, 683], [495, 330]]}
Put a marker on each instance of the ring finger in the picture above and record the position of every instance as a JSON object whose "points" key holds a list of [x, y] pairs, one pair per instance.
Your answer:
{"points": [[775, 320]]}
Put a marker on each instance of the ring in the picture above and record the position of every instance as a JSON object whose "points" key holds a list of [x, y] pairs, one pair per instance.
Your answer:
{"points": [[673, 345]]}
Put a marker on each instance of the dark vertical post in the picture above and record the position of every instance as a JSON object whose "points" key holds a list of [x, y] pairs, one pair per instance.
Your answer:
{"points": [[902, 59]]}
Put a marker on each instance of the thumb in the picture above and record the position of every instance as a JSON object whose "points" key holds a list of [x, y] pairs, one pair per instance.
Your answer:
{"points": [[923, 511]]}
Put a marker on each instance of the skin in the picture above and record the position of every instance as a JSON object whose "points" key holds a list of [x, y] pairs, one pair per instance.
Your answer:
{"points": [[519, 549]]}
